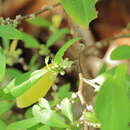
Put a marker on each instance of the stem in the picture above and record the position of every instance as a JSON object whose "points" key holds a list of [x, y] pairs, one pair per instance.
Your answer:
{"points": [[92, 83], [80, 89], [45, 9]]}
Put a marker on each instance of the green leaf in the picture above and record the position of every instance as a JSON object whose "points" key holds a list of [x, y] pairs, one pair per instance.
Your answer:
{"points": [[102, 77], [28, 113], [5, 106], [112, 103], [59, 55], [82, 11], [30, 41], [64, 91], [12, 73], [4, 96], [48, 117], [2, 64], [57, 35], [44, 50], [40, 22], [36, 127], [2, 125], [23, 124], [77, 128], [9, 32], [66, 109], [22, 83], [103, 68], [90, 117], [5, 43], [121, 53], [45, 127]]}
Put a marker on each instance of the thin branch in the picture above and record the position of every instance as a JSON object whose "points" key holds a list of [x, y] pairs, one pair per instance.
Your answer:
{"points": [[92, 83], [80, 94], [80, 89], [45, 9], [20, 18], [85, 125], [106, 42]]}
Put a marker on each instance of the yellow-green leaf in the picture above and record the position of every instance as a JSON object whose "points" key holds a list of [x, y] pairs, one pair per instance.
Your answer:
{"points": [[37, 91]]}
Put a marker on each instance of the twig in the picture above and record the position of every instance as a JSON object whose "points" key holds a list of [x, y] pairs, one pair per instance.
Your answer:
{"points": [[20, 18], [99, 45], [80, 94], [45, 9], [85, 125], [92, 83], [103, 43], [80, 89]]}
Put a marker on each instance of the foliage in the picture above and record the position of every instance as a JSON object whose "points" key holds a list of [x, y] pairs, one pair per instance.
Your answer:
{"points": [[82, 11], [2, 64], [112, 103], [121, 53], [28, 89]]}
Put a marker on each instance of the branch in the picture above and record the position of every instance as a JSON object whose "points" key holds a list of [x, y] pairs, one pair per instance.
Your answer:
{"points": [[103, 43], [20, 18], [45, 9], [99, 45], [80, 89], [92, 83]]}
